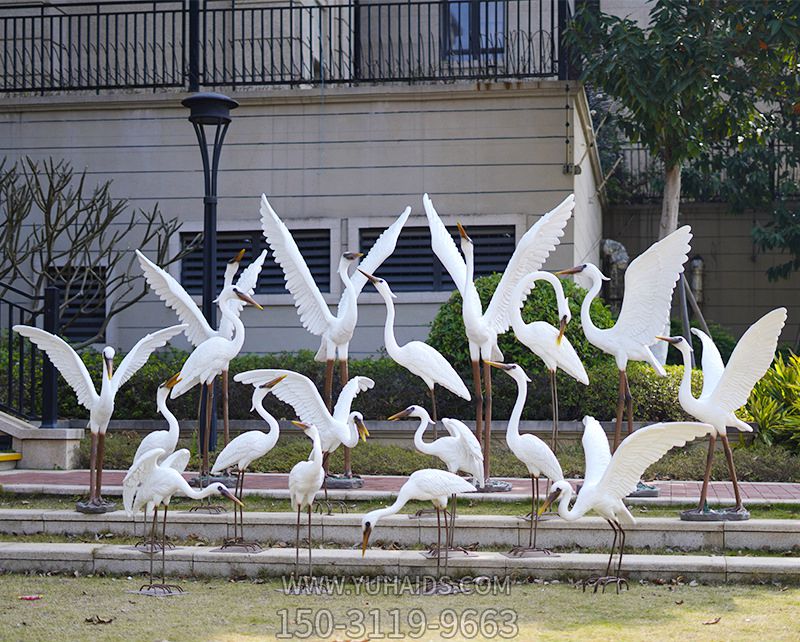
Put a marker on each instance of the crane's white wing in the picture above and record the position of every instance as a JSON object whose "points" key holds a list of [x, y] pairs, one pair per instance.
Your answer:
{"points": [[595, 450], [532, 251], [465, 437], [380, 251], [348, 393], [178, 460], [642, 449], [444, 247], [297, 390], [141, 352], [140, 470], [649, 282], [172, 293], [713, 367], [750, 361], [314, 313], [247, 282], [66, 360], [431, 482]]}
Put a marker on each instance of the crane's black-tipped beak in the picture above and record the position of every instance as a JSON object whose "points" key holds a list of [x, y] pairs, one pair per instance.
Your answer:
{"points": [[672, 340], [463, 233], [301, 425], [550, 499], [239, 256], [501, 366], [371, 278], [562, 328], [352, 256], [401, 415], [248, 299], [229, 495], [573, 270], [365, 540], [274, 382], [172, 381], [362, 429], [109, 366]]}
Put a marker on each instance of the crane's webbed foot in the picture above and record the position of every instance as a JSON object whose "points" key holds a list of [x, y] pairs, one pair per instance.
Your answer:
{"points": [[159, 590], [325, 506], [238, 543], [603, 581]]}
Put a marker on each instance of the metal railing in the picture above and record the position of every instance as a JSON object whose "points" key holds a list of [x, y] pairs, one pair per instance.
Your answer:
{"points": [[30, 386], [185, 44]]}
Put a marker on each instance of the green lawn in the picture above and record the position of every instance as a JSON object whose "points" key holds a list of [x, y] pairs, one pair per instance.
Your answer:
{"points": [[245, 611]]}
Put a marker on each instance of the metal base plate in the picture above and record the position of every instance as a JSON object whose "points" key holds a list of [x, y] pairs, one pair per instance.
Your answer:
{"points": [[520, 553], [201, 481], [85, 506], [159, 590], [340, 482], [544, 517], [495, 486], [729, 514], [234, 546], [644, 490]]}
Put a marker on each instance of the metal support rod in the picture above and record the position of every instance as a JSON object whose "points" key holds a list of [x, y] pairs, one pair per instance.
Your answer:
{"points": [[194, 45], [685, 318], [696, 311], [49, 374]]}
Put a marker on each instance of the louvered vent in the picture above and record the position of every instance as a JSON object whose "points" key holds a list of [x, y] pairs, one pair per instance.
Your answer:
{"points": [[314, 245], [413, 267]]}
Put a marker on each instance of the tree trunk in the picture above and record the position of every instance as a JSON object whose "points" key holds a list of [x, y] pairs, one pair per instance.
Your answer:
{"points": [[671, 201]]}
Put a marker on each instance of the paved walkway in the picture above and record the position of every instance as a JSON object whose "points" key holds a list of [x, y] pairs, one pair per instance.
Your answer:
{"points": [[378, 485]]}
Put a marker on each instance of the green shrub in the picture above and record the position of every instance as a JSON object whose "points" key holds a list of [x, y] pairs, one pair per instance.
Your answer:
{"points": [[775, 403]]}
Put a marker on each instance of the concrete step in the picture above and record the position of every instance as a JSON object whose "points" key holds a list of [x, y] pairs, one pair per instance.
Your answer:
{"points": [[488, 531], [276, 562]]}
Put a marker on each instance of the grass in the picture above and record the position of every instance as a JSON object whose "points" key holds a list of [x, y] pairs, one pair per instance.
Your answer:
{"points": [[756, 462], [229, 611]]}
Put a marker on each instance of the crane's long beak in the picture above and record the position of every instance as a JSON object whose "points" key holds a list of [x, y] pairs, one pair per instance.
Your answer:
{"points": [[562, 328], [573, 270], [226, 493], [301, 425], [371, 278], [109, 366], [400, 415], [172, 381], [550, 499], [362, 429], [274, 382], [365, 540], [463, 232], [239, 256], [502, 366], [352, 256], [672, 340], [248, 299]]}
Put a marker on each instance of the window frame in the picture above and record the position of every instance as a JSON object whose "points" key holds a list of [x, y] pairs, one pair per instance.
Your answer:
{"points": [[474, 52]]}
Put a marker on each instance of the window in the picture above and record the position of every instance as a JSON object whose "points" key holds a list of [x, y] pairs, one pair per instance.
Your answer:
{"points": [[413, 267], [473, 28], [314, 245], [82, 293]]}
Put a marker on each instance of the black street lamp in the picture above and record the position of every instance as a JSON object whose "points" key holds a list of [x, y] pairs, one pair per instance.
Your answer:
{"points": [[210, 110]]}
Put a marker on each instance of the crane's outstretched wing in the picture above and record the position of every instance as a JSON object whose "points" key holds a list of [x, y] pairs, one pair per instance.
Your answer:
{"points": [[642, 449], [141, 352], [465, 437], [247, 282], [178, 460], [348, 393], [437, 483], [649, 282], [139, 471], [532, 251], [296, 389], [713, 367], [750, 360], [314, 313], [66, 360], [172, 293], [595, 450], [380, 251], [444, 247]]}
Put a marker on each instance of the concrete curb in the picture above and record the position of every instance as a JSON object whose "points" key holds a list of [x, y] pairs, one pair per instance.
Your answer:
{"points": [[487, 531], [276, 562]]}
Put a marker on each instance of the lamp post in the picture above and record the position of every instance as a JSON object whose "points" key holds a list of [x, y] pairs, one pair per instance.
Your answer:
{"points": [[209, 110]]}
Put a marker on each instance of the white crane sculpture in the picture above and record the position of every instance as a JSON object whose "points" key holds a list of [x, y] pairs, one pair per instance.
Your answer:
{"points": [[726, 389], [609, 479], [482, 327], [531, 451], [212, 357], [341, 427], [428, 484], [165, 439], [149, 485], [547, 342], [198, 330], [242, 451], [415, 356], [101, 406], [649, 282], [305, 480]]}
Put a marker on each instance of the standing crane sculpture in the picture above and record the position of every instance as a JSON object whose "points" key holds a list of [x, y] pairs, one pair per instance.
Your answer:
{"points": [[482, 327], [609, 479], [335, 332], [725, 389], [198, 330], [547, 342], [531, 451], [101, 406], [415, 356], [305, 480], [240, 453]]}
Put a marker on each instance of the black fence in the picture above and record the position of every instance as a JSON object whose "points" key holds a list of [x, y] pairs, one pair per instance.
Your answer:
{"points": [[186, 44], [29, 389]]}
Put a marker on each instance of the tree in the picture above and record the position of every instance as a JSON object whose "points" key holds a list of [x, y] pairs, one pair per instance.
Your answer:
{"points": [[59, 231], [701, 73]]}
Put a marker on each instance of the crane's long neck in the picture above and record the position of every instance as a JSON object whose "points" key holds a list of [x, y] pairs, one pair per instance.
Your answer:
{"points": [[574, 513], [350, 295], [238, 327], [191, 493], [172, 421], [274, 428], [402, 500], [472, 302], [518, 300], [418, 443], [685, 396], [388, 328], [512, 431], [316, 450], [589, 328]]}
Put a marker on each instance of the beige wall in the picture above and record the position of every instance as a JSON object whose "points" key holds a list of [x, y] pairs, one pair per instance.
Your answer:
{"points": [[737, 291], [338, 158]]}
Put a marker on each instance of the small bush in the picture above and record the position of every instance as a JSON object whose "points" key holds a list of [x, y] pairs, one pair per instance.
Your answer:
{"points": [[775, 403]]}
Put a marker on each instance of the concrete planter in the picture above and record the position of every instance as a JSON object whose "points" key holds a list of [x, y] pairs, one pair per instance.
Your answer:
{"points": [[8, 461]]}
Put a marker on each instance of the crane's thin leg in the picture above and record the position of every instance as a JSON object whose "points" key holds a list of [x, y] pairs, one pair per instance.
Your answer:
{"points": [[329, 384], [534, 512], [344, 377], [487, 421], [297, 544], [438, 540], [434, 414], [207, 431], [325, 477], [101, 451], [153, 543], [164, 546], [554, 392], [92, 468], [447, 530], [620, 410], [712, 444], [629, 404], [310, 574], [226, 435], [732, 470], [476, 385]]}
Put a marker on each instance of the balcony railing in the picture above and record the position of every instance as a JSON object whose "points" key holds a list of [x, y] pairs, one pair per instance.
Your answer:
{"points": [[187, 44]]}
